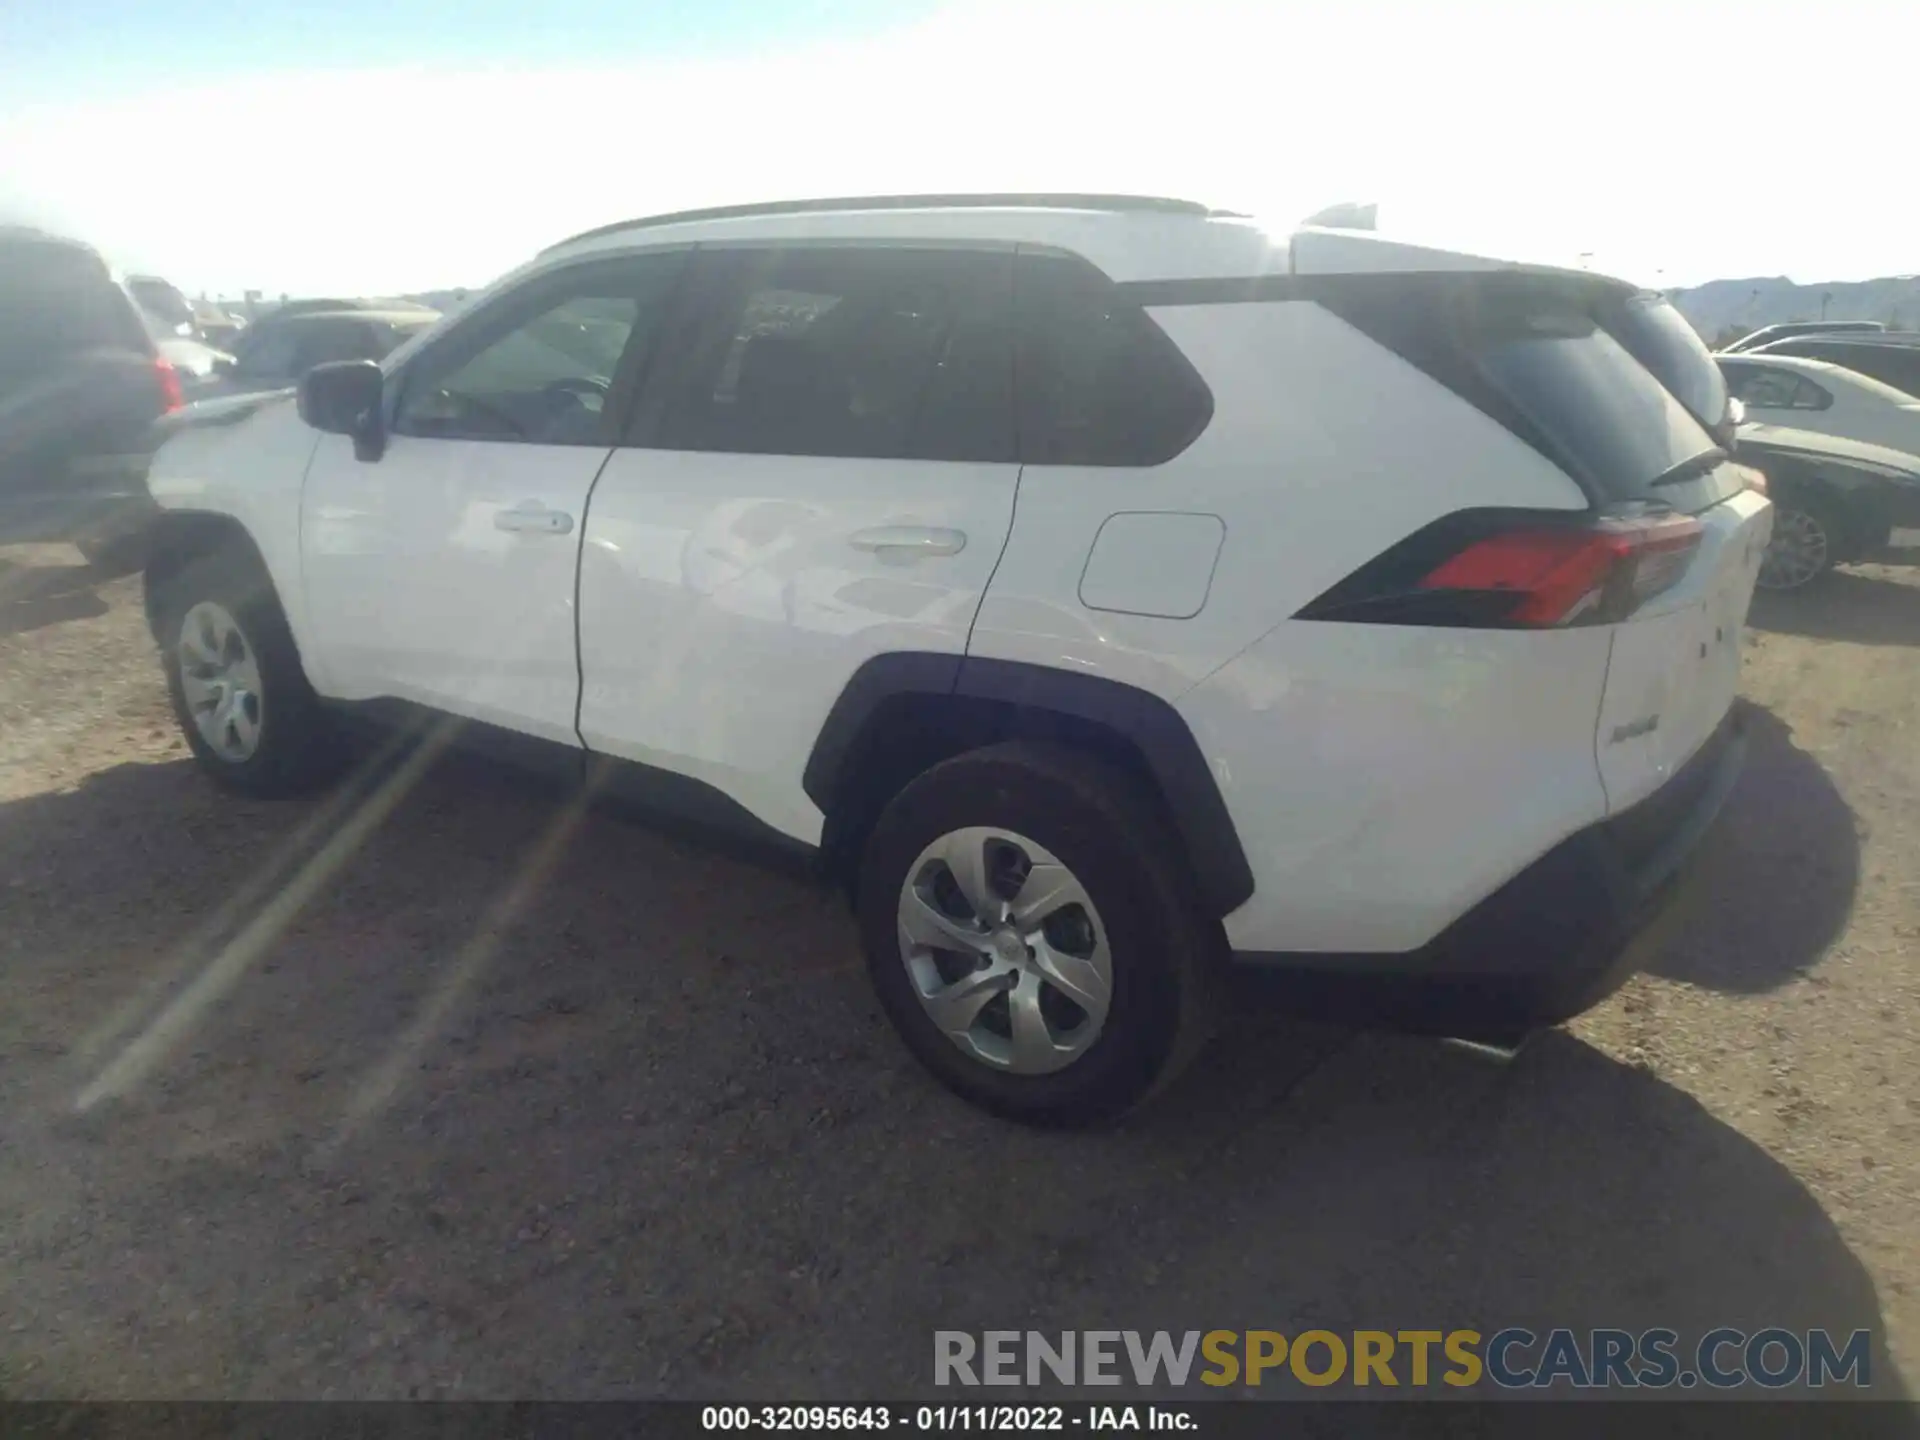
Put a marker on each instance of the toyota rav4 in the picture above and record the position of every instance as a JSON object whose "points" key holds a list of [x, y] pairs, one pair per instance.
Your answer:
{"points": [[1114, 596]]}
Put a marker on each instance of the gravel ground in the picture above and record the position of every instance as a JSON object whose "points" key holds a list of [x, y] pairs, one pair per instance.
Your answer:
{"points": [[444, 1089]]}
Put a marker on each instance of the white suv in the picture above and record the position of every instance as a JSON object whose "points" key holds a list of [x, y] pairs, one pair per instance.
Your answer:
{"points": [[1116, 597]]}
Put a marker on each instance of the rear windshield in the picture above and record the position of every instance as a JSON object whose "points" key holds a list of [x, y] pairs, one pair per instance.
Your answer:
{"points": [[1659, 337], [1536, 354], [1603, 412], [160, 299]]}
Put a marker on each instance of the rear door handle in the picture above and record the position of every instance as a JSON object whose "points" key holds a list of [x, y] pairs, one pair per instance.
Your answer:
{"points": [[909, 541], [530, 517]]}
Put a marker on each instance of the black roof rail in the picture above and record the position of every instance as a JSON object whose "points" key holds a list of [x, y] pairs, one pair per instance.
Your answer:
{"points": [[1148, 204]]}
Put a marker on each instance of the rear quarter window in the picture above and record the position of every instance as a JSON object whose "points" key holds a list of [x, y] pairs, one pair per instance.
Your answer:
{"points": [[1097, 381]]}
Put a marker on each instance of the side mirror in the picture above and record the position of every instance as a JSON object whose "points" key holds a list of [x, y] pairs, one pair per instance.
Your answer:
{"points": [[343, 398]]}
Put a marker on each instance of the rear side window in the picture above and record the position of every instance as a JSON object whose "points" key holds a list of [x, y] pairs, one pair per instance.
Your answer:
{"points": [[1764, 388], [850, 351], [1098, 382]]}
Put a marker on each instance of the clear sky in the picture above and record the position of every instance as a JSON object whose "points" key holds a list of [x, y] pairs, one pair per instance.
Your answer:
{"points": [[383, 145]]}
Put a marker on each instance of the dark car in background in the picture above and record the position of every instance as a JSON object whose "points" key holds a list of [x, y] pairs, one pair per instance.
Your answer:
{"points": [[274, 352], [1835, 501], [1767, 334], [81, 384]]}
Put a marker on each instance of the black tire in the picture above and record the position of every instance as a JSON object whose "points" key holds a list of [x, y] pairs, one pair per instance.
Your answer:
{"points": [[299, 747], [112, 558], [1802, 515], [1104, 827]]}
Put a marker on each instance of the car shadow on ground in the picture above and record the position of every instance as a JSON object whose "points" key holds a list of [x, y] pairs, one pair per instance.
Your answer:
{"points": [[1776, 878], [35, 596], [1853, 605], [459, 1091]]}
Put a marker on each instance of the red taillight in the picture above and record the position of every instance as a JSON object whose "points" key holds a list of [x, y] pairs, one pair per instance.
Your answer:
{"points": [[172, 398], [1557, 576]]}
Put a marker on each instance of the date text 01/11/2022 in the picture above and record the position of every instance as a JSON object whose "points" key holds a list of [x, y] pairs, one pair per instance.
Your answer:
{"points": [[942, 1418]]}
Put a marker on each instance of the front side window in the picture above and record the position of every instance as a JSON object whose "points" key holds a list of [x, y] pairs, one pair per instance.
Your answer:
{"points": [[539, 365], [848, 351]]}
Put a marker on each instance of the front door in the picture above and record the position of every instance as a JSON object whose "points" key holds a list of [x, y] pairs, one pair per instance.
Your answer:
{"points": [[443, 571]]}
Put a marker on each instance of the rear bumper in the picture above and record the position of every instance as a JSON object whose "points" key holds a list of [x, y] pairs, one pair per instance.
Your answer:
{"points": [[100, 496], [1555, 940]]}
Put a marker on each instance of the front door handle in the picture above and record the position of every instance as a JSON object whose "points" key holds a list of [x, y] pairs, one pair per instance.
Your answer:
{"points": [[909, 541], [530, 517]]}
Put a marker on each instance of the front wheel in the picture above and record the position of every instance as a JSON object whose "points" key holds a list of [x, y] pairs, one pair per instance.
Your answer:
{"points": [[1031, 931], [1808, 536], [234, 676], [111, 558]]}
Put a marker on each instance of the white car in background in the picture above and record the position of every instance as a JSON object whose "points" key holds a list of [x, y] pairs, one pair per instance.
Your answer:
{"points": [[1369, 618], [1828, 399]]}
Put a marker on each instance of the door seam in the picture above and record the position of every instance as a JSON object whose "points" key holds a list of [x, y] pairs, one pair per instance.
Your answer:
{"points": [[986, 588], [579, 569]]}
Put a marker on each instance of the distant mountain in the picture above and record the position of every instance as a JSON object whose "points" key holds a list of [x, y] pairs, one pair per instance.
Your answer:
{"points": [[1723, 310]]}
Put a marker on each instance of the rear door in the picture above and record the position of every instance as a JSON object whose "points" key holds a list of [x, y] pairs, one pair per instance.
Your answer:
{"points": [[822, 471]]}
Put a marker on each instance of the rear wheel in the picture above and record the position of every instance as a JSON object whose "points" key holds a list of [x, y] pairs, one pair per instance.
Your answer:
{"points": [[234, 676], [1031, 932], [1809, 535]]}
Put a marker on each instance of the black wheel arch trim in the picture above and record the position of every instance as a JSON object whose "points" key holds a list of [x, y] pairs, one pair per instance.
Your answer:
{"points": [[1147, 722], [175, 535]]}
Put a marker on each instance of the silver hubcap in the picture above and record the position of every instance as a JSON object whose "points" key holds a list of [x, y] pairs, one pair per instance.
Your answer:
{"points": [[220, 678], [1797, 552], [1005, 950]]}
